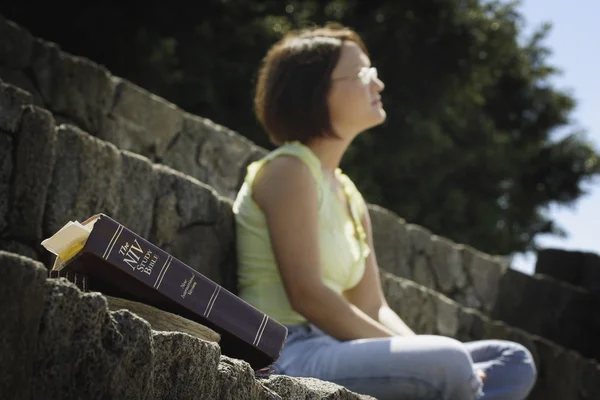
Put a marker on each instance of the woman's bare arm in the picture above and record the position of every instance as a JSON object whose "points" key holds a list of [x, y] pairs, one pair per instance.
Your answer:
{"points": [[286, 193], [368, 294]]}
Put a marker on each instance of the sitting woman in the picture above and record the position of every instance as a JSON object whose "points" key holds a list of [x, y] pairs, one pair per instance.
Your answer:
{"points": [[305, 245]]}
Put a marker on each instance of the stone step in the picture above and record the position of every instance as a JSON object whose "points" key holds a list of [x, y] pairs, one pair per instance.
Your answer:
{"points": [[52, 175], [60, 343], [539, 304], [152, 198], [80, 92], [562, 373], [558, 311], [578, 268]]}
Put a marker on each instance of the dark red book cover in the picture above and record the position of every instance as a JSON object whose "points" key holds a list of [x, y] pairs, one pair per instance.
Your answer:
{"points": [[120, 263]]}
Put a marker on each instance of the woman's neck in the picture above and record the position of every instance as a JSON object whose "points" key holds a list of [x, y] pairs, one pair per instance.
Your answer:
{"points": [[330, 152]]}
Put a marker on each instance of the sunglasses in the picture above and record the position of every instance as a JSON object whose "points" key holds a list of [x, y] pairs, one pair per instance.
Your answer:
{"points": [[366, 75]]}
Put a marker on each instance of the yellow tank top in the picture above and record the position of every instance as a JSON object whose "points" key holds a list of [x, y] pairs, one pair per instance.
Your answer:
{"points": [[342, 240]]}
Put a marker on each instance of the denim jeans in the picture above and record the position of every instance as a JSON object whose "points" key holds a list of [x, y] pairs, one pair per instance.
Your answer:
{"points": [[423, 367]]}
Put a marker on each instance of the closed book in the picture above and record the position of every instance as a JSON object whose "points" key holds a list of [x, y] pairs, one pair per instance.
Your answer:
{"points": [[105, 256]]}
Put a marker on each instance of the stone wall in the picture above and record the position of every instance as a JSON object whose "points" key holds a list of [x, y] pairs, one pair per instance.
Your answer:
{"points": [[77, 141], [58, 173], [59, 343], [77, 91], [85, 94], [54, 174], [578, 268]]}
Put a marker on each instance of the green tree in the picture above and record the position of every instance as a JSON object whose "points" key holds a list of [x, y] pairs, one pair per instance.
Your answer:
{"points": [[468, 150]]}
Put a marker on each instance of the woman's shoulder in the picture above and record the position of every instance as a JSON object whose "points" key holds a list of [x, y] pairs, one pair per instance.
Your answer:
{"points": [[290, 161]]}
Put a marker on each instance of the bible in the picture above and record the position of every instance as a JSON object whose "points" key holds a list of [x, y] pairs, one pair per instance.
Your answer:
{"points": [[103, 255]]}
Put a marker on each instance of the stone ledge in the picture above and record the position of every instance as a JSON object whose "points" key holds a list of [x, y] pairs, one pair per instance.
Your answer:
{"points": [[578, 268], [562, 373], [63, 343], [52, 175]]}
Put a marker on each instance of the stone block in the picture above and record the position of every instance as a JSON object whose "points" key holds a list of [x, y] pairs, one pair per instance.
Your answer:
{"points": [[193, 224], [18, 79], [140, 121], [132, 377], [12, 100], [136, 188], [420, 239], [21, 295], [33, 164], [235, 380], [72, 86], [210, 153], [422, 271], [390, 239], [6, 170], [561, 264], [447, 317], [161, 320], [484, 273], [310, 389], [16, 44], [184, 367], [86, 352], [447, 263], [562, 373], [16, 247], [85, 179], [552, 309]]}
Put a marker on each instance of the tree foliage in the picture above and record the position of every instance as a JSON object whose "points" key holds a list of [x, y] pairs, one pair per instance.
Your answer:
{"points": [[469, 149]]}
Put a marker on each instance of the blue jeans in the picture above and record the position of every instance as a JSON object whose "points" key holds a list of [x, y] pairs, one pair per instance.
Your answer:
{"points": [[424, 367]]}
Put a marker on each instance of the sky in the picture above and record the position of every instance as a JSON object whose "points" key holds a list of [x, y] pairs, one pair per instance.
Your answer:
{"points": [[575, 43]]}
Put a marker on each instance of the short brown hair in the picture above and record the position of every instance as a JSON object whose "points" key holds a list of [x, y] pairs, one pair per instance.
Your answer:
{"points": [[293, 81]]}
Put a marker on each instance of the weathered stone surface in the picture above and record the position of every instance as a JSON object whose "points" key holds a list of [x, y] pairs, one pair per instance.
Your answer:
{"points": [[137, 189], [18, 79], [555, 310], [485, 274], [210, 153], [575, 267], [13, 246], [33, 164], [21, 290], [82, 349], [6, 168], [15, 44], [309, 389], [390, 238], [11, 101], [447, 265], [411, 301], [420, 239], [184, 367], [72, 86], [422, 271], [421, 248], [132, 376], [140, 121], [447, 317], [85, 179], [562, 373], [235, 380], [193, 224], [161, 320]]}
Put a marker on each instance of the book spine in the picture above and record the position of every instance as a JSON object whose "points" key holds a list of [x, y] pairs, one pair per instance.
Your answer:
{"points": [[159, 270]]}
